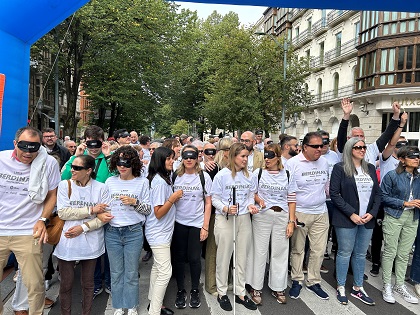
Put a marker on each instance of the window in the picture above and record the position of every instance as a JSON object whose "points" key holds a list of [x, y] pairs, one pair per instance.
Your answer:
{"points": [[338, 44], [321, 52], [37, 87], [414, 122], [356, 29], [319, 90], [309, 25], [336, 84], [297, 32]]}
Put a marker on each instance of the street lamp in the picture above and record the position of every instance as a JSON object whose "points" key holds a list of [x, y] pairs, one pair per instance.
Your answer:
{"points": [[283, 104]]}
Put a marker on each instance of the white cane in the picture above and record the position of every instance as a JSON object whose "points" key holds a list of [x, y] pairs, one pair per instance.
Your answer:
{"points": [[234, 251]]}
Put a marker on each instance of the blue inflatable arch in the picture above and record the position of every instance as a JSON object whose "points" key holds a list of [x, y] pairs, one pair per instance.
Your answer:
{"points": [[23, 22]]}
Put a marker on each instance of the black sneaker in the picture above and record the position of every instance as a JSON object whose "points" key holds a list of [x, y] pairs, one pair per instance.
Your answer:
{"points": [[97, 291], [181, 299], [195, 299], [374, 272], [247, 302], [224, 303]]}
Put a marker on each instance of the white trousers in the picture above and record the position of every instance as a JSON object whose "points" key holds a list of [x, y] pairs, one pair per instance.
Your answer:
{"points": [[159, 277], [223, 233], [268, 225]]}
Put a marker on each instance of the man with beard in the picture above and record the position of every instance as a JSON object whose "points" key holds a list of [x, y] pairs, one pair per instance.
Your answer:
{"points": [[289, 148], [49, 141], [255, 158]]}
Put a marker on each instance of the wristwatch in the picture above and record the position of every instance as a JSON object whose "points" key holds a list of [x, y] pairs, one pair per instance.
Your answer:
{"points": [[43, 219]]}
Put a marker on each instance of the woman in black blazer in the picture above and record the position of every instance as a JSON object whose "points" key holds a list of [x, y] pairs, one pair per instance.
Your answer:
{"points": [[355, 192]]}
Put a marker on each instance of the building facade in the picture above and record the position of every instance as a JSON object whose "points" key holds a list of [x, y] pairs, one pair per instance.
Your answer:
{"points": [[371, 57]]}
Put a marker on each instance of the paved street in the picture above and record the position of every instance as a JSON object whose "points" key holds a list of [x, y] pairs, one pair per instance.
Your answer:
{"points": [[307, 304]]}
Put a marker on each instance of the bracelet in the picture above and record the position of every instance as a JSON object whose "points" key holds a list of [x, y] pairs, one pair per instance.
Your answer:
{"points": [[204, 229], [291, 221], [401, 127], [170, 201]]}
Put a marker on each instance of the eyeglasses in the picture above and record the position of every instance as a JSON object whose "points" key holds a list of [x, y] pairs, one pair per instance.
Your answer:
{"points": [[315, 146], [72, 146], [77, 167], [245, 140], [359, 147], [53, 136]]}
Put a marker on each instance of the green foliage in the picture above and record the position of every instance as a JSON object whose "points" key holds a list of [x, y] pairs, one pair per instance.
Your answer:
{"points": [[180, 127]]}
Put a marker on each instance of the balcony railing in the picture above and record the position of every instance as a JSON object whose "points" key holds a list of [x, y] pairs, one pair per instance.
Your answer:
{"points": [[302, 38], [344, 51], [295, 13], [317, 63], [319, 26], [336, 16], [336, 94]]}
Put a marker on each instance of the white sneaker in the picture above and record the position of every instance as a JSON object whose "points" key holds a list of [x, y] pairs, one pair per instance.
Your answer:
{"points": [[119, 311], [417, 289], [47, 285], [132, 311], [405, 293], [387, 293]]}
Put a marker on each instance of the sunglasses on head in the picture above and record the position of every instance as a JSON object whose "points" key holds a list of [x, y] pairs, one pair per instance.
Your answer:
{"points": [[269, 154], [123, 162], [77, 167], [413, 155], [94, 144], [359, 147], [189, 155], [210, 151], [27, 146], [315, 146]]}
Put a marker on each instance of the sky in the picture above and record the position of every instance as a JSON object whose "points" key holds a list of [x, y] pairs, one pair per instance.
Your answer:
{"points": [[247, 14]]}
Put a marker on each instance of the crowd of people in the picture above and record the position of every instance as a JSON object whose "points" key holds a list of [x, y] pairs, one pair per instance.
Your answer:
{"points": [[238, 202]]}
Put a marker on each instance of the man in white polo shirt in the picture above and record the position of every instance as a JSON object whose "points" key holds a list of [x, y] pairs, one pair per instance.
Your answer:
{"points": [[28, 188], [309, 171]]}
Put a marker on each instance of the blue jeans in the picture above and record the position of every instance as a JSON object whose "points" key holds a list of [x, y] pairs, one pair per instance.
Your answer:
{"points": [[415, 265], [352, 242], [124, 246]]}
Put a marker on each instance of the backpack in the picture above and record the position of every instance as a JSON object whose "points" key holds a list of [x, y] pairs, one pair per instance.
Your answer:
{"points": [[260, 173]]}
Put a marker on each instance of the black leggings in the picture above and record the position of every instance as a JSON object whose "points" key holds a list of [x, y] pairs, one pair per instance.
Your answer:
{"points": [[186, 248]]}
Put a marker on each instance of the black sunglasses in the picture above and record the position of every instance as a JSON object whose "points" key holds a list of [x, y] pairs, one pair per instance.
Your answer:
{"points": [[413, 156], [315, 146], [78, 168], [359, 147], [125, 163]]}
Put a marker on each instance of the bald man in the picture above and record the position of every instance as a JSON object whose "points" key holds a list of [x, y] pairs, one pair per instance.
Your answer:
{"points": [[255, 158]]}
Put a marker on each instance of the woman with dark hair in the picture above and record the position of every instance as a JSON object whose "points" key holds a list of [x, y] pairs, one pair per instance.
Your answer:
{"points": [[124, 233], [160, 226], [355, 192], [275, 221], [401, 200], [234, 175], [174, 145], [191, 224], [79, 200]]}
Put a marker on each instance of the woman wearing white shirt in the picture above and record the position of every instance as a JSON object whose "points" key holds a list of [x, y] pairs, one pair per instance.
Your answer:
{"points": [[124, 233], [235, 175], [160, 226], [191, 224], [275, 221], [82, 237]]}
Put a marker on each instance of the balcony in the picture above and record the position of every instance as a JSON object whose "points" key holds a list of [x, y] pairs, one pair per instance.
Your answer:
{"points": [[317, 63], [336, 16], [295, 13], [333, 95], [302, 39], [341, 53], [319, 27]]}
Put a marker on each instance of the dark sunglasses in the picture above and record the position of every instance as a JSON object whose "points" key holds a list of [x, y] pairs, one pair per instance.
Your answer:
{"points": [[315, 146], [210, 151], [401, 144], [94, 144], [124, 135], [359, 147], [125, 163], [325, 141], [189, 155], [269, 155], [269, 142], [78, 168], [27, 146]]}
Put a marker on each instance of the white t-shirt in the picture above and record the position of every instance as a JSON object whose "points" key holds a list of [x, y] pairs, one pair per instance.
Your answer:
{"points": [[125, 215], [87, 245], [146, 154], [222, 190], [260, 146], [364, 184], [159, 231], [18, 213], [332, 159], [390, 164], [274, 188], [190, 208], [312, 181], [283, 160]]}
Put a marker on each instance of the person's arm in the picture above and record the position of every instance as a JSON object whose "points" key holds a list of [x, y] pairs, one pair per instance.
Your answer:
{"points": [[387, 188], [386, 136], [204, 232], [162, 210], [39, 227], [347, 107], [392, 143]]}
